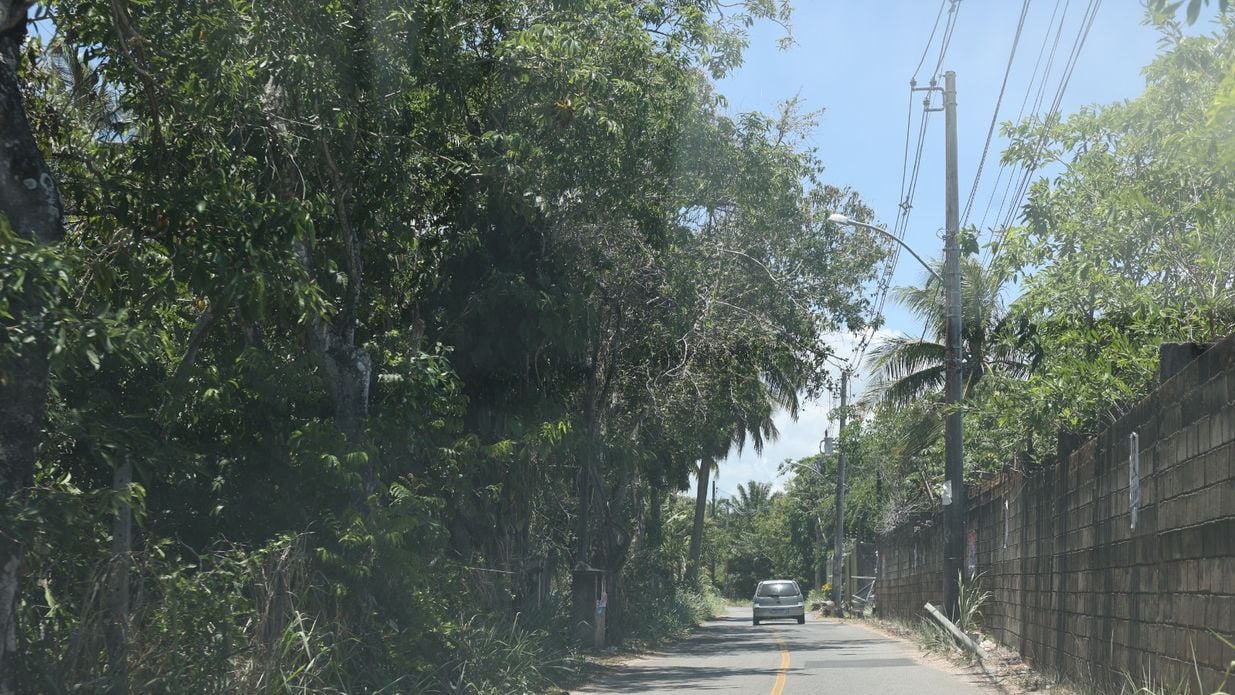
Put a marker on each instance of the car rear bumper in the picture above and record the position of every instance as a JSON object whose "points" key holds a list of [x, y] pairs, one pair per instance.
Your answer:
{"points": [[773, 612]]}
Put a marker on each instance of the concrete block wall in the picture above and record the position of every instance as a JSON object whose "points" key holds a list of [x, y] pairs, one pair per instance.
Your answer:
{"points": [[1075, 588]]}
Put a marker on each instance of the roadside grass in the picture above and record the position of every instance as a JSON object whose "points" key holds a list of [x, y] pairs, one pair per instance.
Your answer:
{"points": [[1149, 684], [495, 659], [817, 597], [670, 617]]}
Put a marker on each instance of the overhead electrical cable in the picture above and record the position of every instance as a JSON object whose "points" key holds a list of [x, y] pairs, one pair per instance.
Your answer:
{"points": [[1033, 78], [905, 161], [930, 41], [1023, 169], [948, 30], [1087, 22], [910, 173], [898, 230], [1012, 169], [890, 262], [990, 131]]}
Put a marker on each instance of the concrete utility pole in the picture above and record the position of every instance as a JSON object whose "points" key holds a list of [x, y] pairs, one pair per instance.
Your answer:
{"points": [[954, 513], [838, 555], [955, 500]]}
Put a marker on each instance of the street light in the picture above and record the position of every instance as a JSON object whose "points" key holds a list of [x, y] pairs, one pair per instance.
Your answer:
{"points": [[955, 500], [842, 219]]}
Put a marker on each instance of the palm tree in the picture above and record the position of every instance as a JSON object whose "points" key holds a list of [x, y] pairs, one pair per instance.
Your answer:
{"points": [[907, 369], [754, 498], [750, 416]]}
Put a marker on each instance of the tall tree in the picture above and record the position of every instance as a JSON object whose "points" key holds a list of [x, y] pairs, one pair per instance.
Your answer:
{"points": [[31, 216]]}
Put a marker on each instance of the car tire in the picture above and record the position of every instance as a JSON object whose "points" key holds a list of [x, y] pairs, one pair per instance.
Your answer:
{"points": [[801, 620], [754, 621]]}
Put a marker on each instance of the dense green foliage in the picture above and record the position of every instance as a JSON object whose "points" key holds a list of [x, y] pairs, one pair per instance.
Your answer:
{"points": [[376, 317], [373, 320]]}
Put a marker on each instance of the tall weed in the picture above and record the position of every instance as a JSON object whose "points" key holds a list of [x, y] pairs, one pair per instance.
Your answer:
{"points": [[497, 659], [1149, 684], [236, 620], [935, 637]]}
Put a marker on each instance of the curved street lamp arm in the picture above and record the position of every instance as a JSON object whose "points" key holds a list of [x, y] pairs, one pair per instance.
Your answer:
{"points": [[842, 219]]}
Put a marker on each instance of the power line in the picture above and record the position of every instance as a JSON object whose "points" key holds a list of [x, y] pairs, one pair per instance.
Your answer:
{"points": [[949, 29], [898, 228], [908, 129], [909, 174], [1087, 21], [1029, 87], [930, 41], [1009, 202], [990, 131]]}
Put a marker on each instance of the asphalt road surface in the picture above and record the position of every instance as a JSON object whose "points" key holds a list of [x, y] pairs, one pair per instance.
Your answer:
{"points": [[729, 655]]}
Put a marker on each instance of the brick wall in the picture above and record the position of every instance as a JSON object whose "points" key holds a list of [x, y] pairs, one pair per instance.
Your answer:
{"points": [[1074, 588]]}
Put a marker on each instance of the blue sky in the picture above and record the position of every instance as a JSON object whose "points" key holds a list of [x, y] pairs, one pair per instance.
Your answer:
{"points": [[854, 59]]}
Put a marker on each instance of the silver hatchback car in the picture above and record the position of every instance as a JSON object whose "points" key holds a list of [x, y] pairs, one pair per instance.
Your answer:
{"points": [[778, 598]]}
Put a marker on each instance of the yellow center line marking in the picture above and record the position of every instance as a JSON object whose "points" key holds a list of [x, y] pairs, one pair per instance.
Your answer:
{"points": [[779, 685]]}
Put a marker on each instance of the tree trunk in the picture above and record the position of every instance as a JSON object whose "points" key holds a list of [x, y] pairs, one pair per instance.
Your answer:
{"points": [[30, 204], [583, 522], [696, 533], [28, 194], [116, 630], [654, 534], [349, 370], [23, 390], [616, 505]]}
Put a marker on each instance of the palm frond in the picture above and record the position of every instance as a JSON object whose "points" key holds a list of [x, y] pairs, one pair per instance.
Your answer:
{"points": [[900, 356], [928, 303], [910, 388], [919, 433]]}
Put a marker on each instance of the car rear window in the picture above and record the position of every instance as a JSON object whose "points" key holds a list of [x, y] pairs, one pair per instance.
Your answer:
{"points": [[778, 589]]}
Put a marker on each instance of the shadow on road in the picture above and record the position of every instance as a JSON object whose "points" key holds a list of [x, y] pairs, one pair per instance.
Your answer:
{"points": [[634, 679]]}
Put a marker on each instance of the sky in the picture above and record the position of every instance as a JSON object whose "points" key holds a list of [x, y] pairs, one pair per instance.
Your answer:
{"points": [[854, 59]]}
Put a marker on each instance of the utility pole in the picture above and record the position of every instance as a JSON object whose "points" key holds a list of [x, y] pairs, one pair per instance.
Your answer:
{"points": [[712, 563], [838, 555], [954, 512], [821, 563]]}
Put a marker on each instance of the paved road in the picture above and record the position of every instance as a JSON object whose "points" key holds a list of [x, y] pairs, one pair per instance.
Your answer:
{"points": [[729, 655]]}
